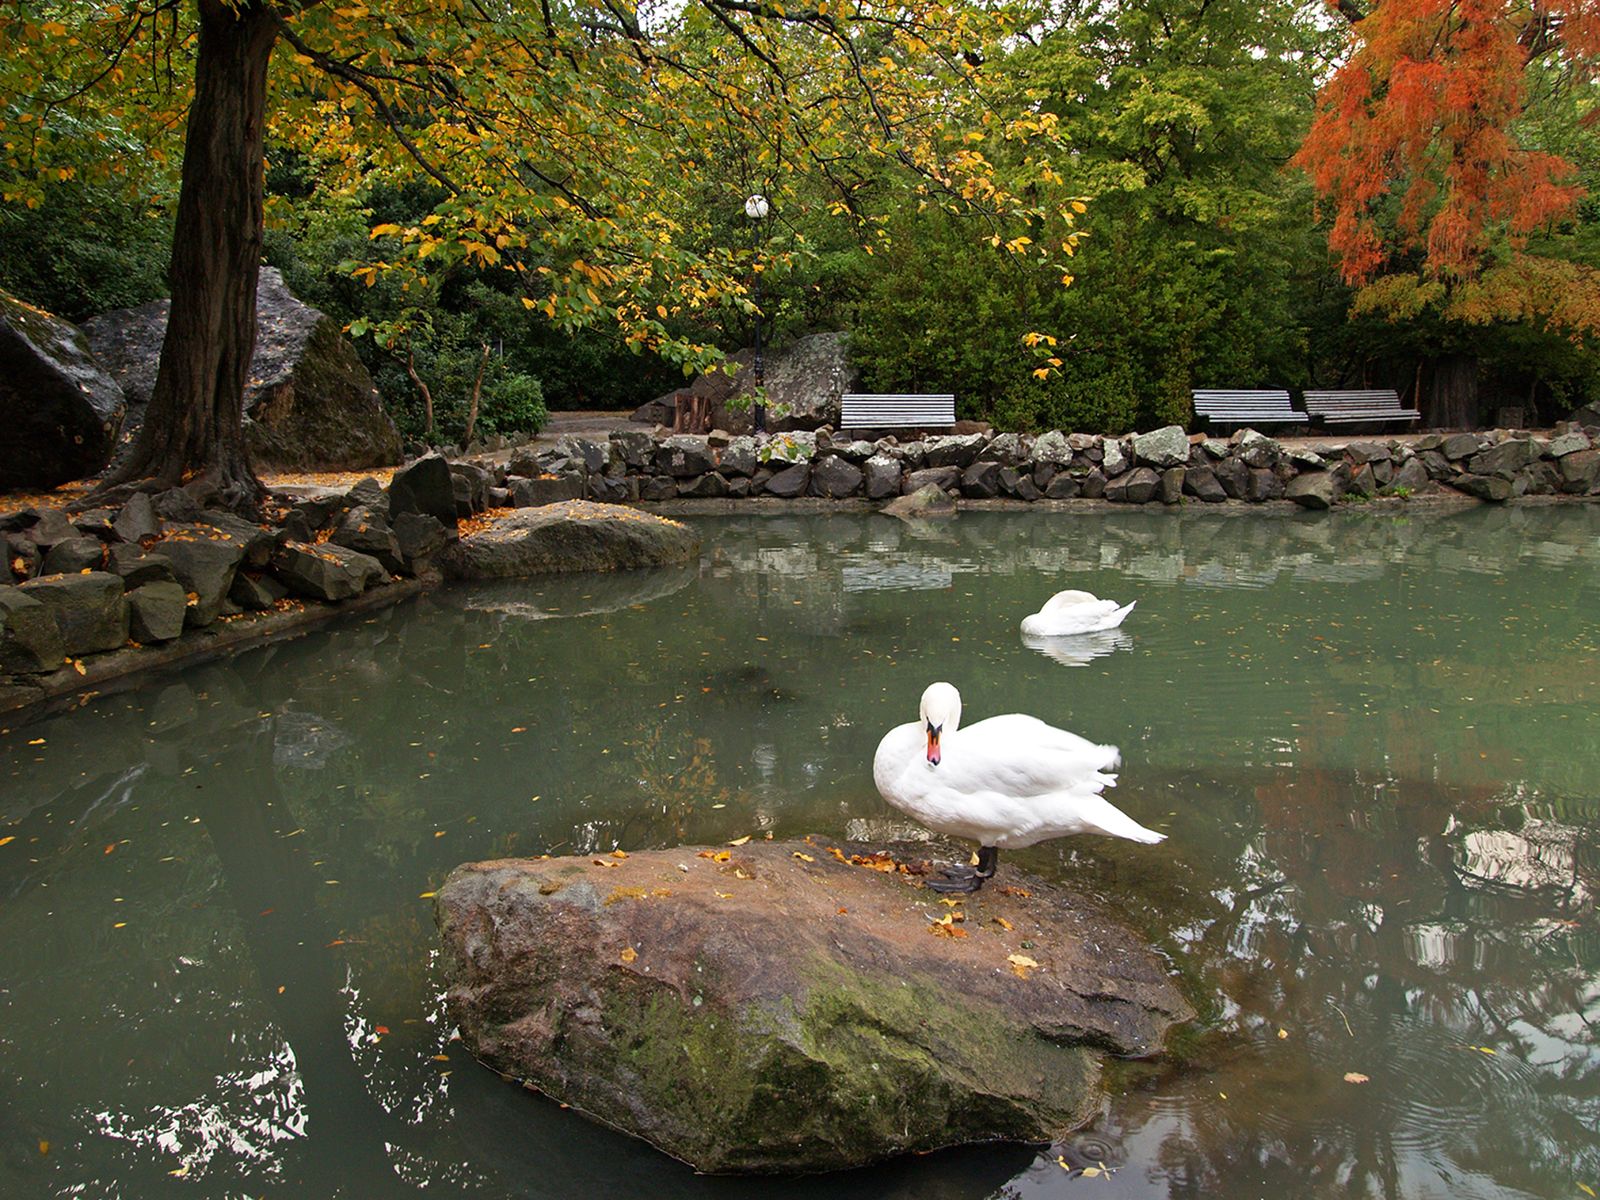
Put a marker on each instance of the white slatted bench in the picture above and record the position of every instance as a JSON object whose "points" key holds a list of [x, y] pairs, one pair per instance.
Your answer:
{"points": [[871, 410], [1357, 407], [1246, 406]]}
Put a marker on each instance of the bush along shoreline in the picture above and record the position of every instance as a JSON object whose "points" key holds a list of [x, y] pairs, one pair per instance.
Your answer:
{"points": [[94, 598]]}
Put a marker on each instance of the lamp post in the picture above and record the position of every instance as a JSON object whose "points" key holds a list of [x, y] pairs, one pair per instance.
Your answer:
{"points": [[757, 208]]}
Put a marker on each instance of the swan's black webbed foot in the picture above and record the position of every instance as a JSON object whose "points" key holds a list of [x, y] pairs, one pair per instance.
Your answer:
{"points": [[955, 878], [964, 879]]}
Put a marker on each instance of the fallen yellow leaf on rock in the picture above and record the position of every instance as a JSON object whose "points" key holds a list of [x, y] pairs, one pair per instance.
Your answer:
{"points": [[1355, 1077], [629, 954], [804, 857], [619, 854], [1021, 964], [1002, 922]]}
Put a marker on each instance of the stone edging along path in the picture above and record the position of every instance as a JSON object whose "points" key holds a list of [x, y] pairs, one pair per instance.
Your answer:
{"points": [[92, 601]]}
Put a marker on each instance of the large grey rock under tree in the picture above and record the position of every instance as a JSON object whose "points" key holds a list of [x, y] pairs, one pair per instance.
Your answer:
{"points": [[60, 410], [803, 384], [575, 535], [791, 1006], [310, 403]]}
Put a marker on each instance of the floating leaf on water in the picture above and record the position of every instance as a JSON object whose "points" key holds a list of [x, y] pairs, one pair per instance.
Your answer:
{"points": [[1282, 1033], [1355, 1077], [740, 841], [7, 840], [1586, 1189], [425, 895]]}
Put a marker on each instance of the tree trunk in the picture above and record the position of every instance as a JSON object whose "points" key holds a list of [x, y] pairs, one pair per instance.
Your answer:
{"points": [[472, 403], [194, 426], [427, 396], [1452, 396]]}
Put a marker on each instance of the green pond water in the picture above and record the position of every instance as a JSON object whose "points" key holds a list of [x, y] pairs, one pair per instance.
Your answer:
{"points": [[1373, 737]]}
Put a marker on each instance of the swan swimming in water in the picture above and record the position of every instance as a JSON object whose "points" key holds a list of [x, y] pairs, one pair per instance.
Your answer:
{"points": [[1075, 612], [1005, 783]]}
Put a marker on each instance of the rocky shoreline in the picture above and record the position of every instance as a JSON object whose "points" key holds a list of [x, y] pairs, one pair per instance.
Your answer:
{"points": [[165, 579]]}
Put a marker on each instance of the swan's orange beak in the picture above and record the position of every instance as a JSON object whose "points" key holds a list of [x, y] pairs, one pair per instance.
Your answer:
{"points": [[933, 744]]}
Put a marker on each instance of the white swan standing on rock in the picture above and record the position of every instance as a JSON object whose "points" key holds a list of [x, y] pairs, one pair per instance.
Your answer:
{"points": [[1075, 612], [1006, 782]]}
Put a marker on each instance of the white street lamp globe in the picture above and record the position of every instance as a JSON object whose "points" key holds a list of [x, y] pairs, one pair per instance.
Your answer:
{"points": [[756, 207]]}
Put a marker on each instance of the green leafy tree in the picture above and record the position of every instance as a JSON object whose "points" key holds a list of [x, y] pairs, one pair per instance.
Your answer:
{"points": [[1198, 259], [551, 133]]}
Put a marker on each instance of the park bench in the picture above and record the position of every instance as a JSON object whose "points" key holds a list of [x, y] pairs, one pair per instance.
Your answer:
{"points": [[1358, 407], [870, 410], [1246, 406]]}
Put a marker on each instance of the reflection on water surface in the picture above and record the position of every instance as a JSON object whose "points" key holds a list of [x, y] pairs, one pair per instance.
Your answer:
{"points": [[1373, 738]]}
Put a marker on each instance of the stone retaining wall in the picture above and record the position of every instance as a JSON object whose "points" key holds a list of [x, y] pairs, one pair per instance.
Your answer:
{"points": [[1166, 466]]}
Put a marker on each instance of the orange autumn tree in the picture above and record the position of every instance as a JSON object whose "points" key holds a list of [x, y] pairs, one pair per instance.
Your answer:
{"points": [[1443, 200]]}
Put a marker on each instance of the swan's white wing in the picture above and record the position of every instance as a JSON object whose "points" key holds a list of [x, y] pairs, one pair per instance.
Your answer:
{"points": [[1071, 599], [1088, 616], [1020, 756]]}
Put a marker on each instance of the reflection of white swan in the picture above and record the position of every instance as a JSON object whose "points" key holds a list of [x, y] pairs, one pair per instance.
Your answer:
{"points": [[1079, 650], [1006, 782], [1075, 612]]}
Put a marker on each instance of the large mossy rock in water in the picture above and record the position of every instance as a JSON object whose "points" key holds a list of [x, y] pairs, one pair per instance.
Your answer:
{"points": [[61, 412], [782, 1007], [575, 535], [309, 402]]}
